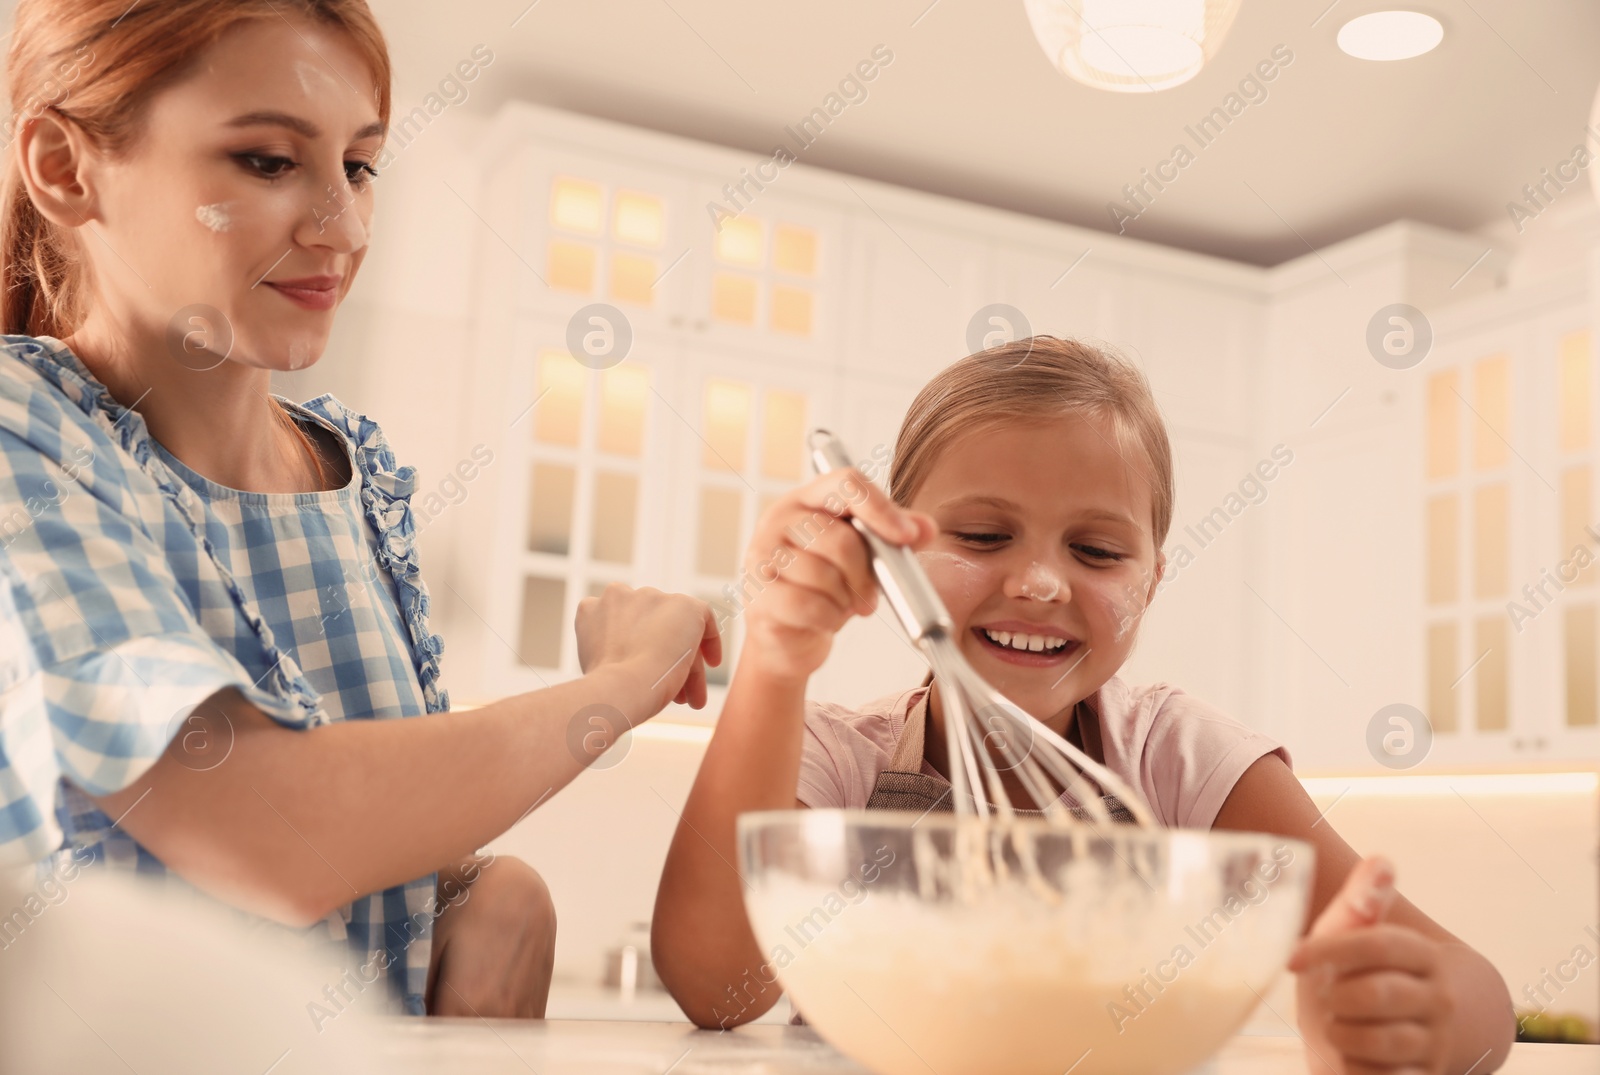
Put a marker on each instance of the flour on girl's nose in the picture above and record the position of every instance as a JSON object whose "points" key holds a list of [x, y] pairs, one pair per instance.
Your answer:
{"points": [[216, 217], [1040, 583]]}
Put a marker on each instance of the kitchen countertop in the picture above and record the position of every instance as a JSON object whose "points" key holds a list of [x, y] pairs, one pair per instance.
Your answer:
{"points": [[588, 1001], [557, 1047]]}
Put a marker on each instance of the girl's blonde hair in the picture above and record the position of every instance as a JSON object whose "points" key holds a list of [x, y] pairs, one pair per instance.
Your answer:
{"points": [[1037, 379], [132, 53], [98, 63]]}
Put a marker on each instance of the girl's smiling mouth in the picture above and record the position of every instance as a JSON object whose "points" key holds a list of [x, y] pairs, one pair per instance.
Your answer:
{"points": [[1029, 645]]}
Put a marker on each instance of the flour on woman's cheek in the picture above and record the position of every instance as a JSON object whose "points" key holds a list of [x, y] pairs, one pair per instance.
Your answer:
{"points": [[216, 217]]}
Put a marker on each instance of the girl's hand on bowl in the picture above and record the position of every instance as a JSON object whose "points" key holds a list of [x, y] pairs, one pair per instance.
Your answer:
{"points": [[808, 572], [661, 641], [1371, 995]]}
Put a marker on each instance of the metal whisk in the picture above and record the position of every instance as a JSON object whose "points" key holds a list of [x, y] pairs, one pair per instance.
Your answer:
{"points": [[965, 693]]}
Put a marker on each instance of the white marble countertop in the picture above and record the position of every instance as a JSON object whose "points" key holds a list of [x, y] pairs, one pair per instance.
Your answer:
{"points": [[558, 1047]]}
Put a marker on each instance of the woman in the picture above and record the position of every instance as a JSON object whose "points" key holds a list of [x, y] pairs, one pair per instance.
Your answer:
{"points": [[219, 590]]}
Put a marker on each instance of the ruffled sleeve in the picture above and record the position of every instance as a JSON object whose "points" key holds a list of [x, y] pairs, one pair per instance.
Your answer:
{"points": [[386, 490]]}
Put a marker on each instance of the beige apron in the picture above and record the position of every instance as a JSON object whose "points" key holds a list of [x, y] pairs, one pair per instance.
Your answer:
{"points": [[904, 786]]}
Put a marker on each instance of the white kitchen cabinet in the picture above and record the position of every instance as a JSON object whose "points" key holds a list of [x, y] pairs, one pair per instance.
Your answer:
{"points": [[831, 300], [870, 409], [1345, 571], [1062, 292], [1338, 617], [739, 445], [581, 466], [768, 278], [651, 472], [916, 288], [1208, 551], [647, 467], [604, 230], [1195, 341], [1509, 487], [1411, 520], [845, 292]]}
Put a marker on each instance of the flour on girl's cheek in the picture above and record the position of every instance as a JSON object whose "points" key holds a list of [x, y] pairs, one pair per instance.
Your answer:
{"points": [[958, 579], [1123, 603]]}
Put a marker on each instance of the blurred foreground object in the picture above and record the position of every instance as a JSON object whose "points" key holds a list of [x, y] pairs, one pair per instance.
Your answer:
{"points": [[106, 972]]}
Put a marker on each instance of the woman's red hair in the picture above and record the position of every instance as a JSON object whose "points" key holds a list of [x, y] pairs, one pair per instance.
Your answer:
{"points": [[100, 61]]}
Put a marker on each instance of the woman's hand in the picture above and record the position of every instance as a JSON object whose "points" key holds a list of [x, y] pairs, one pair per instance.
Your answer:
{"points": [[494, 944], [663, 640], [809, 571], [1371, 996]]}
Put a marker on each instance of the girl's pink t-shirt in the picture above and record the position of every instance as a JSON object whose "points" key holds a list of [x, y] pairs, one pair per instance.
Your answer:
{"points": [[1181, 753]]}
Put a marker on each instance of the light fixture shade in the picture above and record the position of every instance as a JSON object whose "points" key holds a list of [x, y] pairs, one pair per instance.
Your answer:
{"points": [[1131, 46]]}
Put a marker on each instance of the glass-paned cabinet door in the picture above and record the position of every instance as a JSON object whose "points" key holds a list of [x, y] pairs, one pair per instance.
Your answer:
{"points": [[741, 445], [603, 231], [1574, 386], [1471, 478], [584, 492], [768, 272]]}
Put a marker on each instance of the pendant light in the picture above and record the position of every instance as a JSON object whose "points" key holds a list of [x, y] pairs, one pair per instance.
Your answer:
{"points": [[1131, 46]]}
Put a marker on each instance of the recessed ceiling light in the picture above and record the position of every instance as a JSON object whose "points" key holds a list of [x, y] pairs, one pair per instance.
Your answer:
{"points": [[1390, 35]]}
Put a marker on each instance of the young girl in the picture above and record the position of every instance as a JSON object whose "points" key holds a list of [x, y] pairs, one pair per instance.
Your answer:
{"points": [[217, 663], [1035, 481]]}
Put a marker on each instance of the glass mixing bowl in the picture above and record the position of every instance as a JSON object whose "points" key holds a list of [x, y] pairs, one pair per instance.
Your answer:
{"points": [[938, 945]]}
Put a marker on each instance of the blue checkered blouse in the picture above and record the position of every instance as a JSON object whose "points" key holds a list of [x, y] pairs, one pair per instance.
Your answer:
{"points": [[134, 589]]}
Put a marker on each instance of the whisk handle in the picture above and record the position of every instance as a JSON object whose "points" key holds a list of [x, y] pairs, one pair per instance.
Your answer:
{"points": [[911, 595]]}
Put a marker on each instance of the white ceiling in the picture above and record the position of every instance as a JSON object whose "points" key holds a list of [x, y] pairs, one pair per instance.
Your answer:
{"points": [[970, 108]]}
